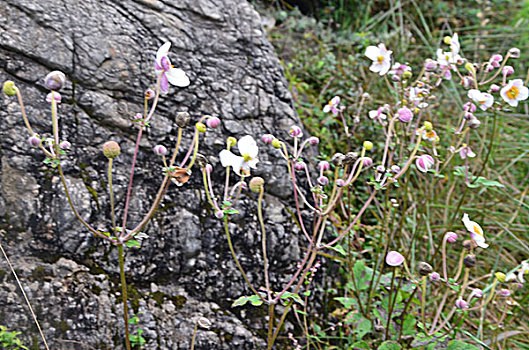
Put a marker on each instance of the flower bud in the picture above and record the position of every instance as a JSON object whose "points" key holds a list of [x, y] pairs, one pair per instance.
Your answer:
{"points": [[405, 115], [204, 323], [65, 145], [469, 107], [213, 122], [477, 293], [10, 88], [55, 80], [469, 261], [160, 150], [451, 237], [474, 122], [424, 268], [380, 169], [299, 165], [424, 163], [267, 138], [514, 52], [56, 95], [395, 78], [324, 165], [111, 149], [497, 58], [323, 180], [507, 70], [295, 131], [340, 183], [428, 126], [313, 141], [469, 244], [367, 161], [470, 67], [504, 292], [394, 258], [368, 145], [407, 74], [365, 95], [201, 127], [256, 184], [219, 214], [208, 168], [461, 304], [395, 169], [447, 39], [277, 144], [34, 141], [494, 88], [231, 141], [434, 277], [337, 159], [149, 94], [182, 119], [350, 157], [430, 65], [500, 276]]}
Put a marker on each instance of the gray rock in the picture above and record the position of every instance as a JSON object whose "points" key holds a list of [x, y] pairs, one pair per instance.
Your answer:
{"points": [[184, 270]]}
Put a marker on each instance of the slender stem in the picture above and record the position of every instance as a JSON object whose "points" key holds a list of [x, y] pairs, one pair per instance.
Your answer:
{"points": [[124, 294], [390, 311], [270, 325], [263, 232], [131, 179], [194, 336], [178, 140], [195, 148], [227, 231], [111, 193], [24, 116], [25, 296], [423, 301]]}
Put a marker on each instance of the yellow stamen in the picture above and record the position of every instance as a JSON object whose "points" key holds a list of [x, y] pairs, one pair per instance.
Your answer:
{"points": [[380, 59], [477, 230], [513, 92], [246, 157]]}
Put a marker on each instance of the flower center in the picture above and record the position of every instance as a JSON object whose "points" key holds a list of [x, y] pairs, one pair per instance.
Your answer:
{"points": [[430, 133], [246, 157], [380, 59], [477, 230], [513, 92]]}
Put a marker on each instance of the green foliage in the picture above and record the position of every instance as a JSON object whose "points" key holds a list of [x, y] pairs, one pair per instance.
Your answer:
{"points": [[253, 299], [9, 340]]}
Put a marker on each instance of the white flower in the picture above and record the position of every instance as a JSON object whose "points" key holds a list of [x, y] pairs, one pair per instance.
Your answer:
{"points": [[523, 270], [171, 75], [377, 114], [454, 44], [476, 232], [445, 58], [381, 58], [514, 91], [241, 165], [483, 99]]}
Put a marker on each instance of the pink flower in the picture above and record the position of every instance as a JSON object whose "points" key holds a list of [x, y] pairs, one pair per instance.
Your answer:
{"points": [[465, 152], [394, 258], [461, 304], [451, 237], [324, 165], [405, 115], [424, 163], [213, 122], [295, 131]]}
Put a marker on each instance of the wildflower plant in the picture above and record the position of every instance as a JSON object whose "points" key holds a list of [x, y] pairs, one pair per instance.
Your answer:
{"points": [[55, 151]]}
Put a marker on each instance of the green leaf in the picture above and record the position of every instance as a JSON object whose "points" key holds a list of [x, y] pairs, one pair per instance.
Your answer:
{"points": [[362, 328], [231, 211], [339, 249], [408, 326], [133, 243], [253, 299], [296, 298], [460, 345], [389, 345], [360, 345], [226, 203], [346, 302]]}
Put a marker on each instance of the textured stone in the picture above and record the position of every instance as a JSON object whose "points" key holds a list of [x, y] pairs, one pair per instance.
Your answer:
{"points": [[184, 269]]}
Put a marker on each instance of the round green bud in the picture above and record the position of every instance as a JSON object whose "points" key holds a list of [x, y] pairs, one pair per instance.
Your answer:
{"points": [[276, 143], [231, 141], [111, 149], [10, 88], [182, 119], [500, 276], [469, 67], [201, 127], [407, 74], [447, 39], [368, 145], [256, 184], [428, 126]]}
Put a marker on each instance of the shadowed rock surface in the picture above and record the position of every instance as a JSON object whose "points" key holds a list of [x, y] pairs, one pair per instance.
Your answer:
{"points": [[184, 269]]}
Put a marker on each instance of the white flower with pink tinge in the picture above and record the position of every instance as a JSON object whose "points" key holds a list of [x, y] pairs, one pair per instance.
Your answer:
{"points": [[381, 58], [514, 91], [248, 159], [483, 99], [170, 75], [424, 163], [476, 232]]}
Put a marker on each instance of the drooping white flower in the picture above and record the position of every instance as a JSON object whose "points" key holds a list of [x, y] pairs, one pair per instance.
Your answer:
{"points": [[377, 114], [454, 44], [514, 91], [248, 159], [333, 105], [381, 58], [171, 75], [476, 232], [523, 270], [483, 99]]}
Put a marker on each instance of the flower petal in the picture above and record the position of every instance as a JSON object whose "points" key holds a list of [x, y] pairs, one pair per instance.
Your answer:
{"points": [[164, 84], [247, 145], [372, 52], [163, 51], [227, 158], [177, 77]]}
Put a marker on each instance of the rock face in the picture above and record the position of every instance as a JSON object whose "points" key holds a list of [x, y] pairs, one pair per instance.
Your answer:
{"points": [[184, 269]]}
